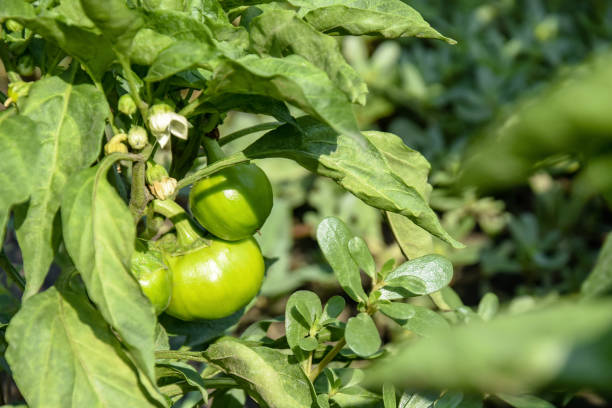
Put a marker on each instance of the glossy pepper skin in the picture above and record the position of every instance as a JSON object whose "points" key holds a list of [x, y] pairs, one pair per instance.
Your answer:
{"points": [[153, 275], [233, 203], [214, 281]]}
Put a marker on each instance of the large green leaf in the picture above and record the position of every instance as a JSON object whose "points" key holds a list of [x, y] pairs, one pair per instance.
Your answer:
{"points": [[63, 354], [178, 57], [599, 280], [413, 240], [70, 123], [562, 345], [375, 172], [19, 150], [292, 79], [266, 374], [99, 235], [281, 32], [388, 18], [68, 26]]}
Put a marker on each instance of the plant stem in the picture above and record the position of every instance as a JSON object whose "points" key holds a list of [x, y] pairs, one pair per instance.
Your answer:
{"points": [[186, 234], [213, 150], [10, 270], [130, 77], [247, 131], [213, 168], [327, 359], [139, 196], [174, 390], [188, 110]]}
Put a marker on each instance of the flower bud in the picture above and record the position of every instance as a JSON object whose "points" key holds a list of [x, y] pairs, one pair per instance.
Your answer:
{"points": [[116, 145], [25, 65], [19, 89], [137, 137], [164, 122], [164, 188], [127, 104], [13, 26], [155, 172]]}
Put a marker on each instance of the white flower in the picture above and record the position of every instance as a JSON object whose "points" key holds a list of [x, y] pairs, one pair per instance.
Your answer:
{"points": [[164, 188], [164, 122]]}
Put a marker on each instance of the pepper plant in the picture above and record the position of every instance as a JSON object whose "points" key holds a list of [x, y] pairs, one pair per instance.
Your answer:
{"points": [[111, 116]]}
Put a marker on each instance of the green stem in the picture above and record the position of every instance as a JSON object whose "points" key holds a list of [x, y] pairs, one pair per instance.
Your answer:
{"points": [[174, 390], [139, 196], [186, 234], [10, 270], [247, 131], [213, 150], [131, 79], [191, 107], [213, 168], [327, 359]]}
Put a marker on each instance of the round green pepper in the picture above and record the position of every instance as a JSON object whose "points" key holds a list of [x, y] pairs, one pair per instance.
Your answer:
{"points": [[152, 274]]}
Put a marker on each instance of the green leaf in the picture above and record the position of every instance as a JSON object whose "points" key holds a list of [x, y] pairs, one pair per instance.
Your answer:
{"points": [[234, 398], [389, 396], [434, 272], [413, 240], [525, 401], [513, 354], [398, 311], [76, 356], [301, 311], [450, 399], [70, 122], [356, 396], [361, 255], [252, 104], [446, 299], [377, 173], [199, 332], [488, 306], [292, 79], [178, 57], [169, 373], [425, 322], [279, 33], [117, 22], [333, 236], [19, 150], [72, 32], [418, 400], [333, 308], [388, 18], [267, 375], [99, 235], [308, 343], [362, 335], [599, 280]]}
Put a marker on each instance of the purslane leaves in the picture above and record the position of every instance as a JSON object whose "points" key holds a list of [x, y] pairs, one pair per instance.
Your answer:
{"points": [[99, 235], [64, 355], [70, 122], [369, 172]]}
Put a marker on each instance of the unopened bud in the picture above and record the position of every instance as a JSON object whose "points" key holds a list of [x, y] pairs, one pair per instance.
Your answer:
{"points": [[25, 65], [155, 172], [19, 89], [164, 188], [127, 104], [14, 26], [137, 137], [116, 145]]}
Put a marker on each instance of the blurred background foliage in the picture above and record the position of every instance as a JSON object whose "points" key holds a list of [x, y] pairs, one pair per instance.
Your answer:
{"points": [[534, 237]]}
